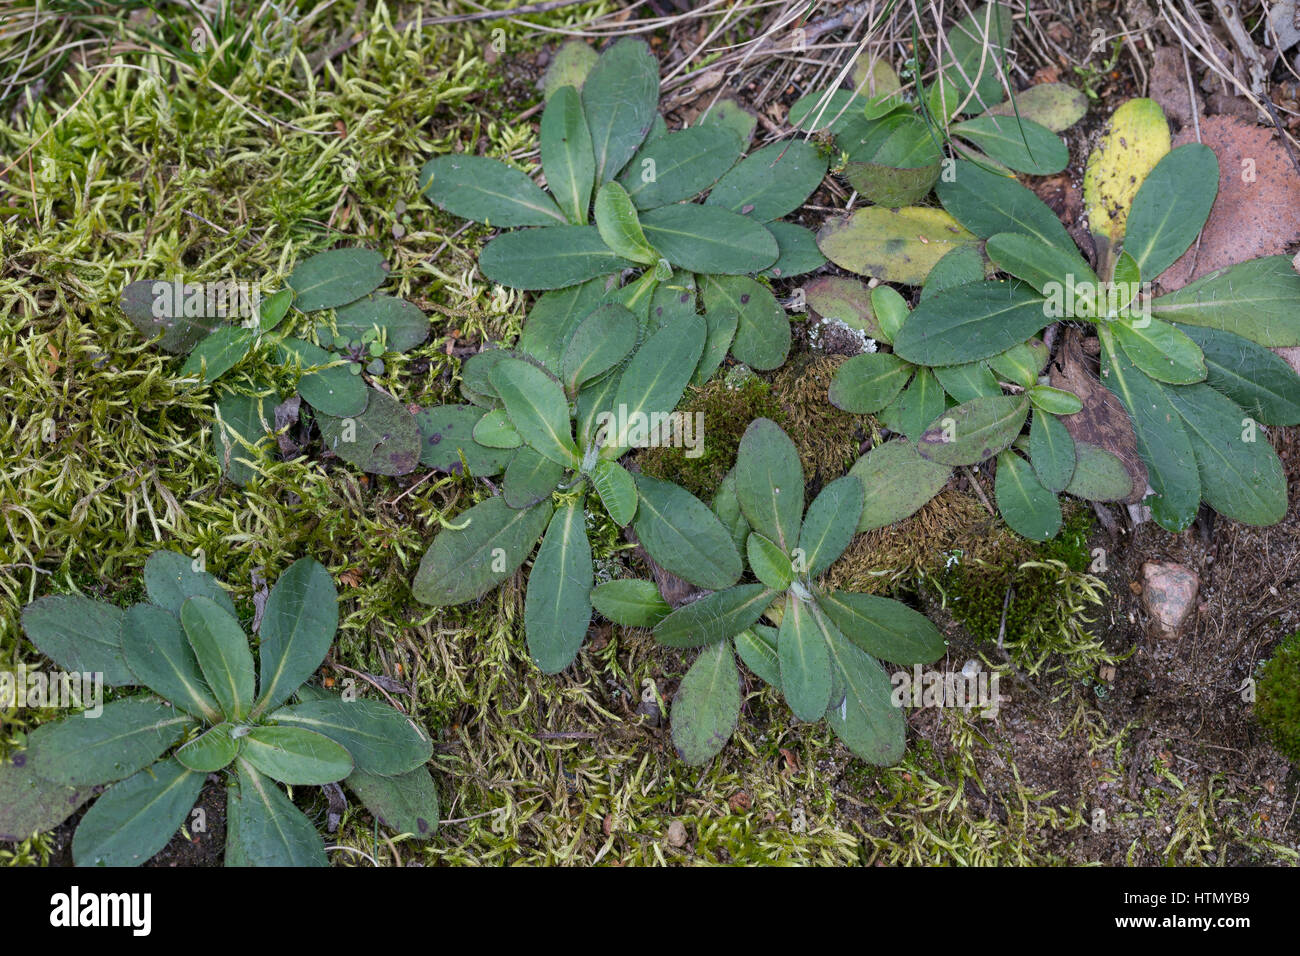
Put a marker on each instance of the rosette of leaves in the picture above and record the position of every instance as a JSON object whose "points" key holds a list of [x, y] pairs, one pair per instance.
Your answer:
{"points": [[353, 327], [206, 709], [1191, 367], [618, 197], [559, 431], [822, 652], [962, 414], [891, 139]]}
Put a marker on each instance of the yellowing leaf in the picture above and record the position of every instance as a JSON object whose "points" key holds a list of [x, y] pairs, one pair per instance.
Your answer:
{"points": [[893, 245], [1136, 140]]}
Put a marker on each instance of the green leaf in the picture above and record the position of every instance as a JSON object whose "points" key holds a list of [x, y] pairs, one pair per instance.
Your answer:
{"points": [[1262, 383], [722, 323], [867, 383], [1161, 351], [461, 564], [127, 736], [537, 408], [769, 483], [1045, 267], [80, 635], [706, 707], [214, 750], [727, 507], [1020, 144], [970, 322], [968, 381], [772, 181], [567, 154], [1028, 508], [294, 755], [264, 828], [221, 648], [487, 191], [273, 310], [891, 311], [297, 629], [406, 803], [805, 660], [239, 423], [651, 385], [976, 54], [673, 301], [684, 536], [569, 66], [883, 627], [1022, 363], [557, 605], [403, 324], [833, 110], [769, 563], [1056, 401], [447, 434], [830, 524], [383, 440], [756, 646], [380, 739], [987, 204], [798, 253], [617, 490], [619, 227], [1054, 105], [900, 482], [337, 277], [762, 328], [1171, 206], [620, 96], [157, 652], [1051, 451], [976, 431], [916, 407], [329, 387], [964, 264], [893, 245], [554, 317], [630, 602], [865, 718], [709, 239], [1241, 476], [897, 163], [730, 114], [170, 578], [1258, 300], [133, 820], [217, 354], [600, 342], [530, 479], [1098, 475], [715, 617], [30, 804], [157, 307], [680, 165], [1162, 442], [549, 258]]}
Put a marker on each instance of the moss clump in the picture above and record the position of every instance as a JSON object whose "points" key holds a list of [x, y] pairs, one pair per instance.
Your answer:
{"points": [[728, 404], [1037, 596], [827, 437], [1277, 707]]}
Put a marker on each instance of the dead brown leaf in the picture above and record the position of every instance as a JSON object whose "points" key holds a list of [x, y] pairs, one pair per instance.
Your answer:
{"points": [[1103, 420]]}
